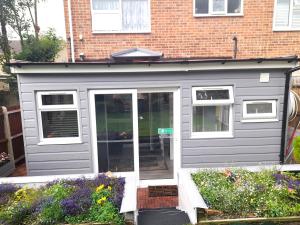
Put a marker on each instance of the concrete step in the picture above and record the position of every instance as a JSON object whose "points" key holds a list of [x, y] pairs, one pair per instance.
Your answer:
{"points": [[164, 216]]}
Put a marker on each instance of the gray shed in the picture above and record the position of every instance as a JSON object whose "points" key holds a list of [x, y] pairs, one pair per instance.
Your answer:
{"points": [[153, 117]]}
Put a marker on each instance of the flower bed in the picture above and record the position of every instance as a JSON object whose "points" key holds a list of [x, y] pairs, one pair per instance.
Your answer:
{"points": [[244, 194], [64, 201]]}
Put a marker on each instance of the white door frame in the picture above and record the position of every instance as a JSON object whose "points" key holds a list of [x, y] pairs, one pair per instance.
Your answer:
{"points": [[133, 92], [176, 133], [176, 136]]}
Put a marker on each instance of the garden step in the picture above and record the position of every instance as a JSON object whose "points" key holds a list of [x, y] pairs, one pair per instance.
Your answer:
{"points": [[164, 216]]}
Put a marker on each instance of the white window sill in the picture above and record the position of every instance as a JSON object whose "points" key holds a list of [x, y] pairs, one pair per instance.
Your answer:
{"points": [[121, 32], [60, 141], [259, 120], [219, 15], [287, 29], [209, 135]]}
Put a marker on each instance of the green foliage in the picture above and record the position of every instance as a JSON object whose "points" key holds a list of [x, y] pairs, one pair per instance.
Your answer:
{"points": [[44, 49], [241, 193], [296, 145]]}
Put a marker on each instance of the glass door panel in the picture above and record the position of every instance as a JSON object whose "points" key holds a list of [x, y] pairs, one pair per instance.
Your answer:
{"points": [[114, 123], [155, 116]]}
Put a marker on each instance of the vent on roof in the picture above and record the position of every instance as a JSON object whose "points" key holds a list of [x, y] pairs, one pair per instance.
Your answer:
{"points": [[136, 54]]}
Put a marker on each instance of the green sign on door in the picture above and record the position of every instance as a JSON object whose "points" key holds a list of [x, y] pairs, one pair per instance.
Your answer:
{"points": [[165, 130]]}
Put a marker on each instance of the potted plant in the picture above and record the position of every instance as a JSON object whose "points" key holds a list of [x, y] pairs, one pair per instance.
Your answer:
{"points": [[6, 164]]}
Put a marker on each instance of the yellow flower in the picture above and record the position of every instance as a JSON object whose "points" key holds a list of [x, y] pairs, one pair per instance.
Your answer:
{"points": [[109, 188], [100, 188], [101, 200]]}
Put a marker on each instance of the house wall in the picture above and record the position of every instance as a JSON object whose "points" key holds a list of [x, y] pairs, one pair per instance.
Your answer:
{"points": [[252, 144], [177, 33]]}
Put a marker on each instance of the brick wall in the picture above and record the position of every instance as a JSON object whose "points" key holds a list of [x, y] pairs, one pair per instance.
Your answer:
{"points": [[176, 33]]}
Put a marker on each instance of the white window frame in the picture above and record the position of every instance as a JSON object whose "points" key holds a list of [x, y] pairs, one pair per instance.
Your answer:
{"points": [[48, 108], [221, 102], [260, 117], [94, 31], [284, 28], [216, 14]]}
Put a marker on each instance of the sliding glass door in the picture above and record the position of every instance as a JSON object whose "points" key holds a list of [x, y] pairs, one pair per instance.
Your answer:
{"points": [[115, 131]]}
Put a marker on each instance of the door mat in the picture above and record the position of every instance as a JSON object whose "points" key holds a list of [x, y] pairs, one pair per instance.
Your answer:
{"points": [[160, 191]]}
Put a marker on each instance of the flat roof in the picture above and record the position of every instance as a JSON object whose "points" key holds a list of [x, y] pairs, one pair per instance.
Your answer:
{"points": [[163, 65]]}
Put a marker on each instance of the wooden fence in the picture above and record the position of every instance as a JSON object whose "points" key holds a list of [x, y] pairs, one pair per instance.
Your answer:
{"points": [[11, 138]]}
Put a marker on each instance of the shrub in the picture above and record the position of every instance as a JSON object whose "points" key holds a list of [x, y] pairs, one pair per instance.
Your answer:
{"points": [[242, 193], [64, 201], [44, 49], [296, 145]]}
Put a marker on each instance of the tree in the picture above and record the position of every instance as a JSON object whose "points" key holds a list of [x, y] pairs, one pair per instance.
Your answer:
{"points": [[4, 17]]}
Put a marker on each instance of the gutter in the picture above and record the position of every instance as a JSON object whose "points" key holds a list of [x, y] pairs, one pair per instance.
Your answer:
{"points": [[285, 112], [71, 31]]}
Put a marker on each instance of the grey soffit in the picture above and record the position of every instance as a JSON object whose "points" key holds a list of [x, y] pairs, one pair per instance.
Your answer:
{"points": [[136, 54]]}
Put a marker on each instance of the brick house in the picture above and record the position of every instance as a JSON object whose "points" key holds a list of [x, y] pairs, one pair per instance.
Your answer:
{"points": [[185, 29]]}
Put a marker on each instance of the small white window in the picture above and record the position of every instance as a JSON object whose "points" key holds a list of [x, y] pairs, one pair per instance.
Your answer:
{"points": [[212, 112], [120, 16], [286, 15], [218, 7], [58, 117], [262, 110]]}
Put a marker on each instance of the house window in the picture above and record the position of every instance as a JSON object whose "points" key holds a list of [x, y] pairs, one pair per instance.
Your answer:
{"points": [[287, 15], [58, 117], [218, 7], [260, 110], [212, 111], [128, 16]]}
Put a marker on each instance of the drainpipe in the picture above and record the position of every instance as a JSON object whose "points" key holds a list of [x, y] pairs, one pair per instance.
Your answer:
{"points": [[71, 31], [285, 111], [235, 47]]}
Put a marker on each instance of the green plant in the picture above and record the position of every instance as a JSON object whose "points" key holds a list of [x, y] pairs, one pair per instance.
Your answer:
{"points": [[241, 193], [44, 49], [296, 145]]}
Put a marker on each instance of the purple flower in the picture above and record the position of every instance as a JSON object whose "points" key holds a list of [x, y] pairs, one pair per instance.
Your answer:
{"points": [[102, 179], [79, 202], [39, 205], [8, 189]]}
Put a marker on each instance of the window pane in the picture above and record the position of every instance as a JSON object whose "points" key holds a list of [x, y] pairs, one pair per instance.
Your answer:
{"points": [[256, 108], [136, 16], [212, 94], [105, 4], [282, 13], [114, 121], [201, 6], [210, 118], [234, 6], [60, 124], [218, 5], [57, 99]]}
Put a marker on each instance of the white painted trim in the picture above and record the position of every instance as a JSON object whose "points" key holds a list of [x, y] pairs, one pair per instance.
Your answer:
{"points": [[156, 182], [94, 31], [218, 14], [197, 102], [260, 121], [139, 68], [260, 116], [93, 126], [229, 102], [48, 108]]}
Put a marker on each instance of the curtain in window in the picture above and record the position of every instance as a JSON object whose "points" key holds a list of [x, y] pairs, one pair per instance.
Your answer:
{"points": [[282, 13], [135, 15], [296, 14], [105, 4]]}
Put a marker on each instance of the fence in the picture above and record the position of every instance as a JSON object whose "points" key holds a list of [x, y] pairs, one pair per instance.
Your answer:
{"points": [[11, 138]]}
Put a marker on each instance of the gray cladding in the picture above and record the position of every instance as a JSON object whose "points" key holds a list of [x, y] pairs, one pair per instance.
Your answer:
{"points": [[252, 143]]}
